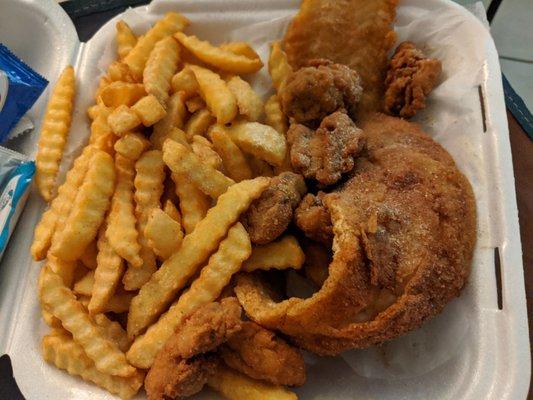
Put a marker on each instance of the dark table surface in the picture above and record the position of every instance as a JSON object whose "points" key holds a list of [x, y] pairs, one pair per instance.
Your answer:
{"points": [[522, 152]]}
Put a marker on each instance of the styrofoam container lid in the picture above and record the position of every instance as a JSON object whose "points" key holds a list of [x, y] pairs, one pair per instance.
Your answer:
{"points": [[478, 348]]}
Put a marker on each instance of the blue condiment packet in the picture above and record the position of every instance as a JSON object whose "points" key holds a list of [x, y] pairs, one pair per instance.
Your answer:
{"points": [[20, 87]]}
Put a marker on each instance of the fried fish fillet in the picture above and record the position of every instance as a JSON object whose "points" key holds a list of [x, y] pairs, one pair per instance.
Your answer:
{"points": [[404, 232], [357, 33]]}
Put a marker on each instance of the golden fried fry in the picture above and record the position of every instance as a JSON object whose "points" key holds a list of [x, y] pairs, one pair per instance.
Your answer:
{"points": [[148, 190], [121, 230], [138, 56], [204, 150], [88, 209], [102, 136], [123, 119], [175, 134], [63, 305], [194, 104], [122, 93], [113, 331], [118, 71], [232, 157], [149, 110], [172, 211], [160, 67], [60, 206], [282, 254], [248, 101], [214, 277], [217, 57], [85, 285], [107, 274], [198, 124], [132, 145], [157, 293], [278, 66], [241, 48], [193, 202], [62, 351], [65, 269], [262, 141], [274, 115], [54, 133], [175, 118], [215, 92], [88, 259], [185, 82], [164, 235], [126, 39], [182, 161], [236, 386], [96, 109], [102, 83], [119, 303]]}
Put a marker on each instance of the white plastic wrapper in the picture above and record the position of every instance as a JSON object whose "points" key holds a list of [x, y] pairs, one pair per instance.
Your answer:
{"points": [[473, 350]]}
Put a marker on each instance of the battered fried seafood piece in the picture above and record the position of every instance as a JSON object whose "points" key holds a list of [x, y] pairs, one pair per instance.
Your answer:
{"points": [[404, 229], [321, 88], [313, 218], [328, 152], [269, 216], [260, 354], [185, 364], [410, 79]]}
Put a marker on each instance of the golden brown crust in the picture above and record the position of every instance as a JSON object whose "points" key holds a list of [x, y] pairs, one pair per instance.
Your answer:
{"points": [[405, 229]]}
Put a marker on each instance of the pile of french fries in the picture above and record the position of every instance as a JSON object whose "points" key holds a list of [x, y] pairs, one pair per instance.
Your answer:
{"points": [[144, 230]]}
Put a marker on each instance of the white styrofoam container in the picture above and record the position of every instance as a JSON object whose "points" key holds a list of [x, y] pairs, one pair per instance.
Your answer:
{"points": [[474, 350]]}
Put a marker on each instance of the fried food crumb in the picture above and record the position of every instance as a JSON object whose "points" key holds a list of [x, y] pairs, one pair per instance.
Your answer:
{"points": [[269, 216], [328, 152], [410, 79], [321, 88]]}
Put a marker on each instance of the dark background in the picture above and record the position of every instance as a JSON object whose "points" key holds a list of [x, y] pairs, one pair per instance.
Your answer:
{"points": [[521, 145]]}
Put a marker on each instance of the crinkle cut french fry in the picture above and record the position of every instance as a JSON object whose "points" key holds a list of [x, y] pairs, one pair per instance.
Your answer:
{"points": [[182, 161], [278, 66], [123, 119], [121, 229], [63, 304], [126, 39], [49, 318], [194, 104], [118, 71], [88, 258], [160, 67], [88, 209], [54, 133], [204, 150], [196, 247], [110, 268], [122, 93], [233, 158], [172, 211], [60, 206], [84, 286], [149, 110], [241, 48], [219, 99], [193, 202], [213, 278], [175, 118], [174, 134], [274, 115], [164, 235], [198, 123], [65, 269], [63, 352], [248, 101], [185, 82], [282, 254], [218, 57], [262, 141], [102, 136], [171, 23], [113, 331], [236, 386], [132, 145], [149, 179]]}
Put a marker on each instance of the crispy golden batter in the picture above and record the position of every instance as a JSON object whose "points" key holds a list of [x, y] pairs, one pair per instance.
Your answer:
{"points": [[404, 231], [313, 92], [317, 260], [357, 33], [260, 354], [410, 79], [313, 218], [328, 152], [184, 364], [269, 216]]}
